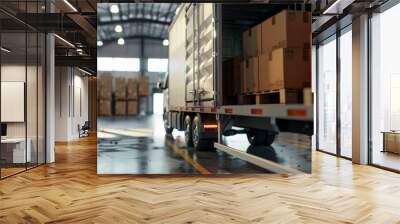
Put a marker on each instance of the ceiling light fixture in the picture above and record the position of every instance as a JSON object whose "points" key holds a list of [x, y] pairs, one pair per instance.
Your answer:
{"points": [[5, 50], [121, 41], [165, 42], [64, 40], [114, 9], [99, 43], [177, 10], [70, 5], [118, 28]]}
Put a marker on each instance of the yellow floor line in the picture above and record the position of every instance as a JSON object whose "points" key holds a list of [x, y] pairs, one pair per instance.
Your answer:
{"points": [[187, 158]]}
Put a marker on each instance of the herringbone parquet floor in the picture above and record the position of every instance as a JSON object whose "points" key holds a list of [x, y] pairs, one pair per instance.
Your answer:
{"points": [[69, 191]]}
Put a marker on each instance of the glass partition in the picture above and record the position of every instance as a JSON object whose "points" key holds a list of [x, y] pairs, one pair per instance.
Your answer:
{"points": [[346, 93], [327, 96], [385, 89], [14, 153], [22, 88]]}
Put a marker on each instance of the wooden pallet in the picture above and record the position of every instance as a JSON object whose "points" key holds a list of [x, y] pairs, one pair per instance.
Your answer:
{"points": [[277, 96]]}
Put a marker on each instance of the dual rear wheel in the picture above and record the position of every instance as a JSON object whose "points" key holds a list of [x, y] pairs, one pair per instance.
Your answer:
{"points": [[195, 136]]}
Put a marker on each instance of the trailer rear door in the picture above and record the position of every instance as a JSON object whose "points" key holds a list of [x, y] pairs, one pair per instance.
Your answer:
{"points": [[200, 53]]}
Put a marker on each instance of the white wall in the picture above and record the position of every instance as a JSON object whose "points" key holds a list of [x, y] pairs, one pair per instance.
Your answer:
{"points": [[70, 83]]}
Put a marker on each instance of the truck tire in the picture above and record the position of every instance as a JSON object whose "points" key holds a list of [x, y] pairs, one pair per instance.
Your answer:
{"points": [[199, 142], [188, 131], [269, 139], [258, 137], [168, 130]]}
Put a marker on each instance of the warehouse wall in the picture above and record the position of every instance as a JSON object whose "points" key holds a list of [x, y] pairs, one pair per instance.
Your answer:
{"points": [[132, 49]]}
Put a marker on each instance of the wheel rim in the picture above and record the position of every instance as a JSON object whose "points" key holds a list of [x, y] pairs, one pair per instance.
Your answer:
{"points": [[187, 132], [195, 134], [250, 137], [165, 124]]}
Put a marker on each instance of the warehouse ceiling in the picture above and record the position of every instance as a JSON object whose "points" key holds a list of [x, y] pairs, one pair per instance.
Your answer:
{"points": [[73, 21], [138, 20]]}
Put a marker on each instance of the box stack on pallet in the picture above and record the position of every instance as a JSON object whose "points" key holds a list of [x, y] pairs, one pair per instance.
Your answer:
{"points": [[120, 96], [132, 97], [277, 54], [143, 86], [104, 94]]}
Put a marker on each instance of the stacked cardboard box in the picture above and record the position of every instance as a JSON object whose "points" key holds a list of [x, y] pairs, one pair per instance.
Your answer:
{"points": [[143, 86], [132, 107], [282, 59], [286, 51], [120, 88], [132, 96], [120, 96], [104, 94], [120, 107], [252, 47], [104, 107], [250, 68], [132, 89]]}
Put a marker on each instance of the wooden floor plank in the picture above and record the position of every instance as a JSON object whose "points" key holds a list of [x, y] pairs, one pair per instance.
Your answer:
{"points": [[70, 191]]}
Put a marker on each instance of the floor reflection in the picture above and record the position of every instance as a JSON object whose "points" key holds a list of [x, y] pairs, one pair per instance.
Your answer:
{"points": [[140, 146]]}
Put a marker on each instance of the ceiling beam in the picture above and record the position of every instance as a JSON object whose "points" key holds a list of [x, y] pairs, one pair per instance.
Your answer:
{"points": [[133, 20], [134, 37]]}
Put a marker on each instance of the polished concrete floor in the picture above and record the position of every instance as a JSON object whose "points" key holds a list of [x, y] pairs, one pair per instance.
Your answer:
{"points": [[139, 146]]}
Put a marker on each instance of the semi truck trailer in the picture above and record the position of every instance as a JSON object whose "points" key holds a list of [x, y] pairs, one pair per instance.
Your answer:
{"points": [[201, 37]]}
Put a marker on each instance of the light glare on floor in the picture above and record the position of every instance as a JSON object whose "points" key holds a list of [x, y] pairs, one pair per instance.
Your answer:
{"points": [[114, 9], [121, 41], [118, 28]]}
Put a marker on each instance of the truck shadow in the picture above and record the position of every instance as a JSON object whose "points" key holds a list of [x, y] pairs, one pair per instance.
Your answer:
{"points": [[265, 152]]}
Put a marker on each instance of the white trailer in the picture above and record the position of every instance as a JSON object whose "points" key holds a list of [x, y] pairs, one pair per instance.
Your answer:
{"points": [[194, 85]]}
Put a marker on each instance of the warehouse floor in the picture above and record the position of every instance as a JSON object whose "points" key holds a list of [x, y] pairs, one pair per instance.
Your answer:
{"points": [[139, 146]]}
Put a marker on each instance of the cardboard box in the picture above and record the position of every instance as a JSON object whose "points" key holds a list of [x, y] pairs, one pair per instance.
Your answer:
{"points": [[105, 107], [143, 86], [104, 93], [287, 29], [289, 68], [104, 86], [308, 98], [120, 108], [232, 76], [120, 89], [392, 142], [132, 89], [132, 107], [252, 42], [264, 72], [250, 75]]}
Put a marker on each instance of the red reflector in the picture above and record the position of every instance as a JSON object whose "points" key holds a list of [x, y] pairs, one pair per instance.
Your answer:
{"points": [[297, 112], [256, 111], [228, 110]]}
